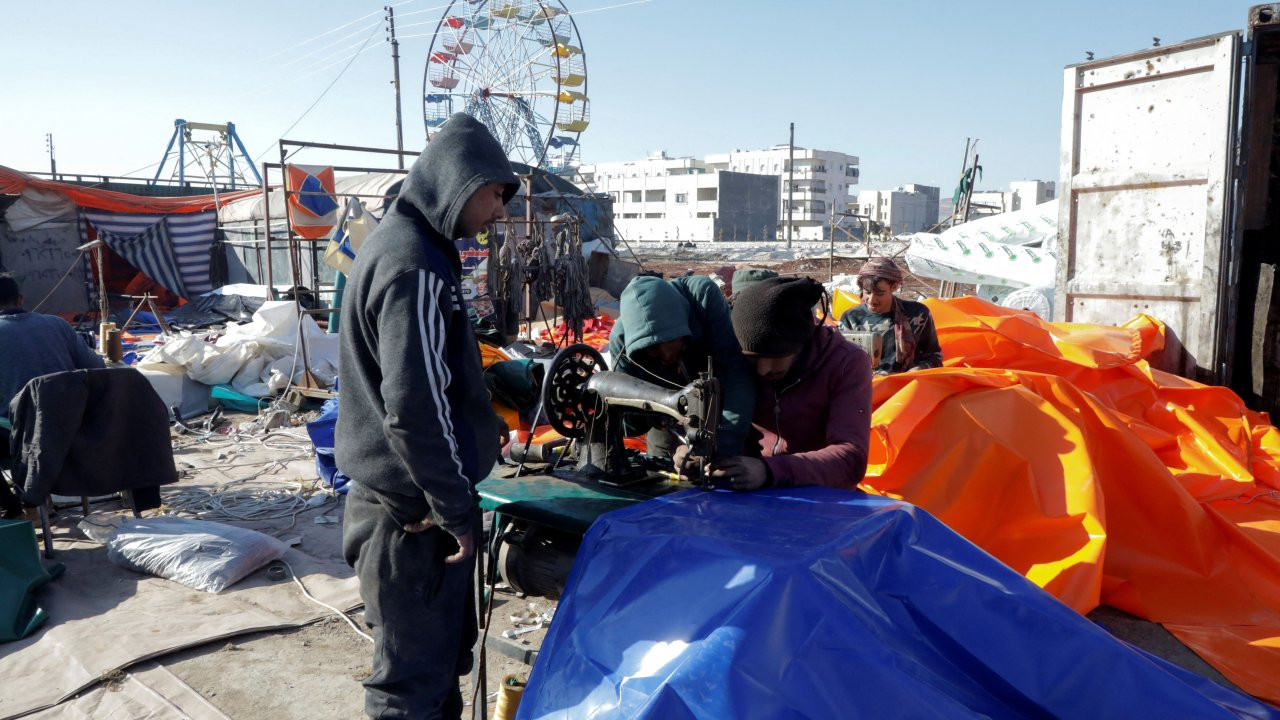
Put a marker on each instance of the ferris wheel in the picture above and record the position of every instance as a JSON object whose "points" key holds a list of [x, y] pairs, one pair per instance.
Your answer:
{"points": [[518, 67]]}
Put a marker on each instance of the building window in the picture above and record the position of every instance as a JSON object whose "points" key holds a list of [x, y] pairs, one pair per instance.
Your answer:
{"points": [[682, 198]]}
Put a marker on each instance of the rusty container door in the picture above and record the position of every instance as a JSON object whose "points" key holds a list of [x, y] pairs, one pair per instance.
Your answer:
{"points": [[1145, 223]]}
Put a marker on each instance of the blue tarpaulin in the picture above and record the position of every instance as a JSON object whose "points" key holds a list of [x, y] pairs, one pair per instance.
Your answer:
{"points": [[321, 432], [820, 603]]}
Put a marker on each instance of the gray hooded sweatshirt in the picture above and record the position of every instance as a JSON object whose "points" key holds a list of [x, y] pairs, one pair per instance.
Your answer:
{"points": [[414, 417]]}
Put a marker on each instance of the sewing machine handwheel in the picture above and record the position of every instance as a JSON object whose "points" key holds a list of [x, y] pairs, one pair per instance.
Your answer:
{"points": [[565, 399]]}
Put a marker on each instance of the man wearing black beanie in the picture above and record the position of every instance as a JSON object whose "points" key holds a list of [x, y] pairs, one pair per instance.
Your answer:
{"points": [[812, 419]]}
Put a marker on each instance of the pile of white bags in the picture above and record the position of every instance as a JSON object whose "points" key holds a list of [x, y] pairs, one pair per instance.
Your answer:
{"points": [[257, 358]]}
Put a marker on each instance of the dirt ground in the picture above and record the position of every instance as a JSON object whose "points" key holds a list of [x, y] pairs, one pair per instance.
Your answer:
{"points": [[314, 672]]}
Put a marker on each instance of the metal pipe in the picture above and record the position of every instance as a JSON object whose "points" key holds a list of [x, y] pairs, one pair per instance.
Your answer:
{"points": [[266, 226], [358, 148]]}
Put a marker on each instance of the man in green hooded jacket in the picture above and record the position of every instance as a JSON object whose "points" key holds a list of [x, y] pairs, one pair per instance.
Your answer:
{"points": [[667, 332]]}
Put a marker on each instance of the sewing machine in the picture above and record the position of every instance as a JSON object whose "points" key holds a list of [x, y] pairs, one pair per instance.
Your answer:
{"points": [[545, 499], [587, 403]]}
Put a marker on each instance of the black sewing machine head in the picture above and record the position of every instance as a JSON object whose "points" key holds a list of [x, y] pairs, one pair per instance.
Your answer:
{"points": [[583, 400]]}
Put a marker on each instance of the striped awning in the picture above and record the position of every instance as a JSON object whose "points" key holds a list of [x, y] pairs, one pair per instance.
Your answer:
{"points": [[173, 250]]}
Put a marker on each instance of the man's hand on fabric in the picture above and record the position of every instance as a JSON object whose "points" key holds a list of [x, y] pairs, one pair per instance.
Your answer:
{"points": [[504, 433], [466, 541], [687, 465], [741, 473]]}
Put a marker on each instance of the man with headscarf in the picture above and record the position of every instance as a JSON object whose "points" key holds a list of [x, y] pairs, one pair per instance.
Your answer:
{"points": [[910, 340], [812, 419]]}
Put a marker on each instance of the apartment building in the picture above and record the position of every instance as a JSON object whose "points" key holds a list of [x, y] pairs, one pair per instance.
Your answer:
{"points": [[823, 182], [908, 209], [680, 199]]}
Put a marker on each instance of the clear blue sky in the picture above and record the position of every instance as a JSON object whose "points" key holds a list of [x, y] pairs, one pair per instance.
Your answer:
{"points": [[899, 84]]}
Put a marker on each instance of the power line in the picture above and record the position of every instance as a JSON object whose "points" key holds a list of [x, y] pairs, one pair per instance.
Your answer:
{"points": [[433, 22], [317, 66], [327, 46], [326, 32], [321, 69], [575, 13], [424, 10], [322, 94]]}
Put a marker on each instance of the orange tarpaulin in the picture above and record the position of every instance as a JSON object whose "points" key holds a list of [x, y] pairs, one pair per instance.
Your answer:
{"points": [[13, 182], [1056, 448]]}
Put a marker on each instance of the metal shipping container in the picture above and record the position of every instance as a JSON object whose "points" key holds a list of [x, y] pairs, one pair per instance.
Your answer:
{"points": [[1145, 225]]}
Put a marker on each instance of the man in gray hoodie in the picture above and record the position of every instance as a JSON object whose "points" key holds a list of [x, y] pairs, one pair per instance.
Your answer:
{"points": [[415, 429]]}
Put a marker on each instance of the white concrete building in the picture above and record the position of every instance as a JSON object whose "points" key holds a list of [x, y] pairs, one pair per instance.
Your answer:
{"points": [[823, 182], [1029, 193], [932, 195], [989, 202], [1021, 194], [899, 211], [681, 199]]}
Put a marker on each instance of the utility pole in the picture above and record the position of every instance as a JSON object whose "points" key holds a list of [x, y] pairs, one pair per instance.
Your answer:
{"points": [[395, 65], [53, 164], [791, 180]]}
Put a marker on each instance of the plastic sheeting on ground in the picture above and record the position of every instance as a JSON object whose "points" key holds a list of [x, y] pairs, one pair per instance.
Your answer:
{"points": [[256, 357], [1057, 449], [823, 603]]}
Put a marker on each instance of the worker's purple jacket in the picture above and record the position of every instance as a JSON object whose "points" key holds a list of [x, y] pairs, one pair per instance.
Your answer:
{"points": [[813, 426]]}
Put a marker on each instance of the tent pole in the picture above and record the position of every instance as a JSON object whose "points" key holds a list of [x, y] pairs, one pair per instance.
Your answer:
{"points": [[266, 226], [102, 285]]}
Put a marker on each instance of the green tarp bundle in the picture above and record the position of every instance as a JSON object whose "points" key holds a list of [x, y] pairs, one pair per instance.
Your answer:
{"points": [[20, 575]]}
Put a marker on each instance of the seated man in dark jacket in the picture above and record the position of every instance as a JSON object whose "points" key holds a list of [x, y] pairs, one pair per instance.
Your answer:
{"points": [[667, 333], [31, 345], [812, 421]]}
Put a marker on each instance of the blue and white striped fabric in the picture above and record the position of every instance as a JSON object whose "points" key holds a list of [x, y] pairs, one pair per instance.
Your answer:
{"points": [[187, 237], [150, 252]]}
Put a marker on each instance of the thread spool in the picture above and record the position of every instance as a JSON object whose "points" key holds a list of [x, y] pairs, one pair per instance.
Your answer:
{"points": [[115, 345], [103, 329], [509, 697]]}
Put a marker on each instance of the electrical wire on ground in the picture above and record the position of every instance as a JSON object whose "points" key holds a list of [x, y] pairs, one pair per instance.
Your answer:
{"points": [[242, 500], [322, 603]]}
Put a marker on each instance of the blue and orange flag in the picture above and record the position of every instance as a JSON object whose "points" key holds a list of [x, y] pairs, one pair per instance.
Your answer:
{"points": [[313, 209]]}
